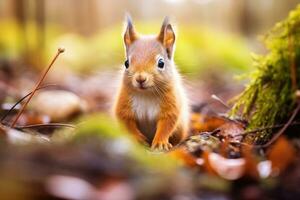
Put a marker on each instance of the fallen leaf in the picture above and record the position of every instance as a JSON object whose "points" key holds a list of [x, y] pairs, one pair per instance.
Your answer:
{"points": [[251, 164], [205, 123], [207, 165], [232, 131], [281, 154], [185, 156]]}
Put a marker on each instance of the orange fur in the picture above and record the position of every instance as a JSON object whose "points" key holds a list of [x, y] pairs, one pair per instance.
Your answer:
{"points": [[156, 110]]}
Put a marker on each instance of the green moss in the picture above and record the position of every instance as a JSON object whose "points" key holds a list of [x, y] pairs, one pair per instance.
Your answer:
{"points": [[269, 97], [116, 138]]}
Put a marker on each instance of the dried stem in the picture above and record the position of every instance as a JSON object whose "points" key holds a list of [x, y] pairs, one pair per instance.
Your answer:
{"points": [[218, 99], [280, 132], [59, 51], [46, 125], [265, 128]]}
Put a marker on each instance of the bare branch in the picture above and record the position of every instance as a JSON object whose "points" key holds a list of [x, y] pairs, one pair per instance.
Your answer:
{"points": [[59, 51]]}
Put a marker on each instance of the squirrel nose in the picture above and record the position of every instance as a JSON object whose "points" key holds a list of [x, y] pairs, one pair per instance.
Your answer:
{"points": [[141, 79]]}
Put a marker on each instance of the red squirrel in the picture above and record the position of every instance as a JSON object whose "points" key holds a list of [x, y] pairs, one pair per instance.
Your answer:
{"points": [[151, 101]]}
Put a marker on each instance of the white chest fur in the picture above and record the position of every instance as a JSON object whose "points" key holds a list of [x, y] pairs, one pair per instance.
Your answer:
{"points": [[145, 108]]}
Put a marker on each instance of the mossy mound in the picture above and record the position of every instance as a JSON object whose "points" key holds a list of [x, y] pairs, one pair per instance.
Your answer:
{"points": [[270, 96]]}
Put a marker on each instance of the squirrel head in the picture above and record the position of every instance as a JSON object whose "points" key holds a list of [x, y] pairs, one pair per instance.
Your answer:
{"points": [[149, 58]]}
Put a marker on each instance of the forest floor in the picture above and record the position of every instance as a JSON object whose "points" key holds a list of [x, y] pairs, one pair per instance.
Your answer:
{"points": [[65, 145]]}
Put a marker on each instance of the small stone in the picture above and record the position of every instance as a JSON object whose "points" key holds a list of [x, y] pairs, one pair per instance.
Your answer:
{"points": [[59, 105], [18, 137]]}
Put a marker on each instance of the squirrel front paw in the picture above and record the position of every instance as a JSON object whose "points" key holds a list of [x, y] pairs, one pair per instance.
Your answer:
{"points": [[161, 145]]}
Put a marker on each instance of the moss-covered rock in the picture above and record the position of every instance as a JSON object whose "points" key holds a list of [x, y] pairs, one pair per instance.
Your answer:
{"points": [[270, 97]]}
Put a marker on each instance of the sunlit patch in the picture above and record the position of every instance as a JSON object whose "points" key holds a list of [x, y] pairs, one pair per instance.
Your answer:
{"points": [[264, 168]]}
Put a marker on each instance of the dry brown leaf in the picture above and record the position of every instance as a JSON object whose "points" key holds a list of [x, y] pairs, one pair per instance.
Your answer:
{"points": [[205, 123], [232, 131], [281, 154], [251, 162], [207, 165], [185, 156]]}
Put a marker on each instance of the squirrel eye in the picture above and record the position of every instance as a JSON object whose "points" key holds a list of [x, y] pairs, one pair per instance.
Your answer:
{"points": [[160, 63], [126, 64]]}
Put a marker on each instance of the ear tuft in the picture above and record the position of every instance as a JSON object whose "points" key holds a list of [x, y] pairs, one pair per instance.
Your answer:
{"points": [[167, 37], [129, 34], [128, 20]]}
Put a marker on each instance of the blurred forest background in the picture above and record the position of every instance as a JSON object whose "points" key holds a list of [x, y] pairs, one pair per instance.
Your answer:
{"points": [[214, 37], [211, 32]]}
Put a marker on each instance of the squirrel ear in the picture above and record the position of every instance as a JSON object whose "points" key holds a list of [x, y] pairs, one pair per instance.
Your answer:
{"points": [[167, 37], [129, 34]]}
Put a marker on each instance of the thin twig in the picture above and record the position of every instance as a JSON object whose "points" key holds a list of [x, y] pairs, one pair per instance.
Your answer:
{"points": [[264, 128], [59, 51], [46, 125], [218, 99], [238, 118], [280, 132], [20, 100]]}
